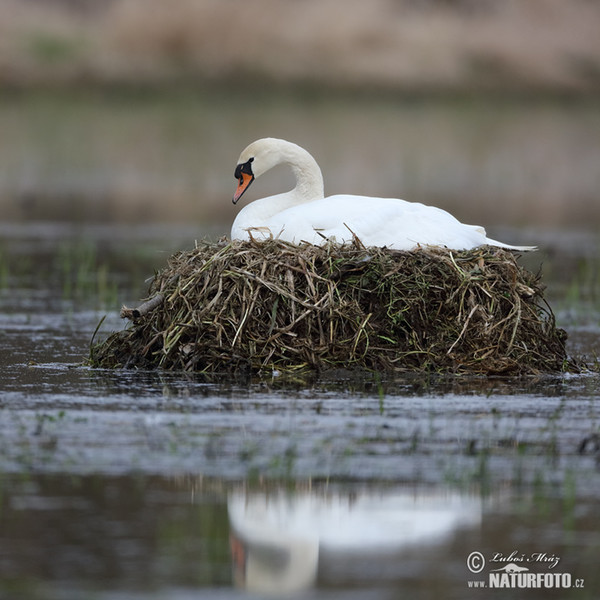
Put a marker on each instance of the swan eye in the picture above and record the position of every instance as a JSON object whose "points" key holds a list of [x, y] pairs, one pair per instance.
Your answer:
{"points": [[245, 168]]}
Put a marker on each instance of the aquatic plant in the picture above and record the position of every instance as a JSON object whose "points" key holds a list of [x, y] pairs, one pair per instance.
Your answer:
{"points": [[249, 307], [84, 275]]}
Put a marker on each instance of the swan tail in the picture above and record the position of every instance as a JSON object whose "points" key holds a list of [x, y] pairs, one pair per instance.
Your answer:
{"points": [[491, 242]]}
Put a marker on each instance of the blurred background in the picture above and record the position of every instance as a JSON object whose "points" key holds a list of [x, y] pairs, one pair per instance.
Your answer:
{"points": [[121, 122], [135, 111]]}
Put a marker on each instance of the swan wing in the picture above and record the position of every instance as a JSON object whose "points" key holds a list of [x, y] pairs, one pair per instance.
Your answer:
{"points": [[389, 222]]}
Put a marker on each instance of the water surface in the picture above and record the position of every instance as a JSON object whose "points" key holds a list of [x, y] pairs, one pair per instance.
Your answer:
{"points": [[150, 485], [147, 157]]}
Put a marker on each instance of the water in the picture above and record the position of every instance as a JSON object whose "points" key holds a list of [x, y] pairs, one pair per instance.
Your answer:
{"points": [[151, 485], [150, 157]]}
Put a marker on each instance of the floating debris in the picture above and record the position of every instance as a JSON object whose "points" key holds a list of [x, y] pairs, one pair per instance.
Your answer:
{"points": [[248, 307]]}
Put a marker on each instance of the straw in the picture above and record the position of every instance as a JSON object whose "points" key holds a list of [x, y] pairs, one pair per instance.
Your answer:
{"points": [[260, 306]]}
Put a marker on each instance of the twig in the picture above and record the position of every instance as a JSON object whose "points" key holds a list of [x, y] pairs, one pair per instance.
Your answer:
{"points": [[143, 309], [463, 329]]}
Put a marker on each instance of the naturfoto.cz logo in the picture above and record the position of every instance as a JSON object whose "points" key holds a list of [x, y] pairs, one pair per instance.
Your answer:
{"points": [[513, 571]]}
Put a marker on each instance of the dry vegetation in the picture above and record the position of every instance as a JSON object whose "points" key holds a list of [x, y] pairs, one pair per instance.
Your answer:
{"points": [[448, 44], [245, 307]]}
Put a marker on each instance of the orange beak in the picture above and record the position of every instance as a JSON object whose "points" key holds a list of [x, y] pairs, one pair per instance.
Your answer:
{"points": [[244, 183]]}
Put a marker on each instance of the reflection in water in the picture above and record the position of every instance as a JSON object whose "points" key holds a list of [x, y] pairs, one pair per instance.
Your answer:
{"points": [[71, 536], [279, 540]]}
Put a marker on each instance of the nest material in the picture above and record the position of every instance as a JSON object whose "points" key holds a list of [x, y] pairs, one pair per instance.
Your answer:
{"points": [[249, 306]]}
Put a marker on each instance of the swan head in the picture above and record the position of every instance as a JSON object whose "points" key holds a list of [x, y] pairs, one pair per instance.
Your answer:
{"points": [[256, 159], [266, 153]]}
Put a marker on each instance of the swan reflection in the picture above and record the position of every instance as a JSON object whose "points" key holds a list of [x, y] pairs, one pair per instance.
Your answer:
{"points": [[280, 540]]}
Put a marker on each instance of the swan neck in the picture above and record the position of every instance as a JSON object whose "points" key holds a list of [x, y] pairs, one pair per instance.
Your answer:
{"points": [[309, 179]]}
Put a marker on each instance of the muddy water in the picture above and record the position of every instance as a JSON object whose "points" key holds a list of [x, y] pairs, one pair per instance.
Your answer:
{"points": [[154, 485]]}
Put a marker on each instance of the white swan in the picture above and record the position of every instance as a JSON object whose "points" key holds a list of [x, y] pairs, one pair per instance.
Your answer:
{"points": [[304, 214]]}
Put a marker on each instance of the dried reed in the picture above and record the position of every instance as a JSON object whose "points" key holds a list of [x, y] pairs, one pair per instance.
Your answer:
{"points": [[245, 307]]}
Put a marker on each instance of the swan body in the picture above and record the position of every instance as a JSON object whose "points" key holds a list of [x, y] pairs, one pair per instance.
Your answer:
{"points": [[305, 215]]}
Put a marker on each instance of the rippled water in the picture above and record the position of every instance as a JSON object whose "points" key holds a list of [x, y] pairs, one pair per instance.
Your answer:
{"points": [[151, 485]]}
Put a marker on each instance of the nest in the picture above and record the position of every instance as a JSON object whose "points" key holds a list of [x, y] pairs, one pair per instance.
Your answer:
{"points": [[246, 307]]}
